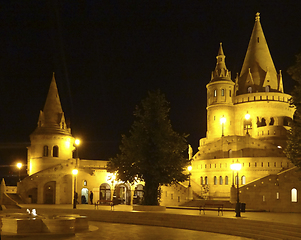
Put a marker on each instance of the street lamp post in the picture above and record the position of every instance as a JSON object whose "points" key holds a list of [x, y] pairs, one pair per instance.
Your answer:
{"points": [[189, 168], [19, 165], [237, 167], [247, 117], [75, 195], [223, 121]]}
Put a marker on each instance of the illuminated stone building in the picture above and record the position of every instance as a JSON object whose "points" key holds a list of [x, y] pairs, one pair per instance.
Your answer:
{"points": [[51, 161], [247, 122]]}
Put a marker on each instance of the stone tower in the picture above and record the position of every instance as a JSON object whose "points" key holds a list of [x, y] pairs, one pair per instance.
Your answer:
{"points": [[247, 122], [220, 100], [51, 142]]}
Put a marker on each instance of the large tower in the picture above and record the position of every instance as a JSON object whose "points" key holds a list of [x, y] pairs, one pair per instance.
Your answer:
{"points": [[51, 142]]}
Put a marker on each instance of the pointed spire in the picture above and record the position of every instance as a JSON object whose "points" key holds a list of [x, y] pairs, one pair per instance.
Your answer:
{"points": [[258, 59], [220, 72], [51, 119]]}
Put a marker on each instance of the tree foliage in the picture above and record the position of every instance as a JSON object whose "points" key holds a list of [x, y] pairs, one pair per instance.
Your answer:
{"points": [[153, 151], [293, 148]]}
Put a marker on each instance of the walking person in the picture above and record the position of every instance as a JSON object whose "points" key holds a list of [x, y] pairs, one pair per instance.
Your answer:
{"points": [[91, 197]]}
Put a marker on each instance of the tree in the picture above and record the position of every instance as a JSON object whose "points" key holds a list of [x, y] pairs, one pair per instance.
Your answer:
{"points": [[293, 148], [153, 151]]}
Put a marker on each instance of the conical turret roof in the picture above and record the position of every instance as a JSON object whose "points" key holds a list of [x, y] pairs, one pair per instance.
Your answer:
{"points": [[52, 119], [258, 64]]}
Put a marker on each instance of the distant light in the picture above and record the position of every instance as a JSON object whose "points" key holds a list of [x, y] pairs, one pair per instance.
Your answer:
{"points": [[189, 168], [75, 171], [19, 165], [279, 147], [247, 116], [235, 166]]}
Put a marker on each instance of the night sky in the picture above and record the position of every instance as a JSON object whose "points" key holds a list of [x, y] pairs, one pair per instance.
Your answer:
{"points": [[107, 55]]}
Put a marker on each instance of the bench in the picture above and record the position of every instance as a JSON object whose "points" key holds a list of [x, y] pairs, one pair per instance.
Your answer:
{"points": [[212, 206], [104, 201]]}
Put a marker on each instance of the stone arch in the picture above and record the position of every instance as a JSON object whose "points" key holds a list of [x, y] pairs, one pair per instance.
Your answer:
{"points": [[55, 151], [49, 192], [105, 191], [123, 193], [33, 195]]}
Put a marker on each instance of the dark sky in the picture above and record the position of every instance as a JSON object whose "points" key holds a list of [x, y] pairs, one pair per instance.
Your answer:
{"points": [[108, 54]]}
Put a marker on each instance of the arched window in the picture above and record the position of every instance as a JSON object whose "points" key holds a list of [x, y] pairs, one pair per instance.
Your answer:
{"points": [[294, 195], [45, 151], [271, 121], [215, 180], [55, 151], [201, 180], [220, 180], [214, 93], [243, 180], [263, 122], [223, 92], [230, 153], [236, 179], [206, 180], [267, 88], [226, 180]]}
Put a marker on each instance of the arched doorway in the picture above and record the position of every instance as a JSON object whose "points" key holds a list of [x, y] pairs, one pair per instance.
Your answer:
{"points": [[138, 194], [33, 195], [84, 196], [49, 192], [105, 191], [123, 193]]}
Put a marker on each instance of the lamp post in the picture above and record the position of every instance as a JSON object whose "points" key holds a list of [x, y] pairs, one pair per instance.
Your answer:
{"points": [[77, 143], [113, 179], [247, 117], [75, 195], [237, 167], [19, 165], [189, 168], [223, 121]]}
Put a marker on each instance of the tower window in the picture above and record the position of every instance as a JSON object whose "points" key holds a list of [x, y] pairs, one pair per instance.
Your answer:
{"points": [[230, 93], [294, 195], [215, 180], [45, 151], [214, 93], [223, 92], [226, 180], [55, 151], [220, 180], [267, 88]]}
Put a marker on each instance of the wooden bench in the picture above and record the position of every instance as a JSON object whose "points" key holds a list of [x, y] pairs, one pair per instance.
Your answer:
{"points": [[212, 206], [105, 202]]}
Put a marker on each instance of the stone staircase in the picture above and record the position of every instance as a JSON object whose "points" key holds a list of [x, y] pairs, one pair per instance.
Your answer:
{"points": [[11, 201]]}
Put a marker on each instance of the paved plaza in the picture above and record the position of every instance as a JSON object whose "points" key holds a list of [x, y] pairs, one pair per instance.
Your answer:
{"points": [[121, 231]]}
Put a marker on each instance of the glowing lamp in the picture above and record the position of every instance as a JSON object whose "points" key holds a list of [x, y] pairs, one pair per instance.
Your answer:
{"points": [[74, 171], [189, 168], [19, 165], [235, 166], [77, 142]]}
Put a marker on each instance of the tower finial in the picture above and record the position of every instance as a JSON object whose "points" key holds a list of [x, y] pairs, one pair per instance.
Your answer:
{"points": [[257, 17]]}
